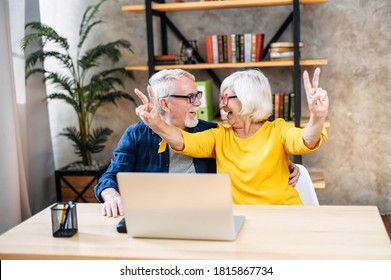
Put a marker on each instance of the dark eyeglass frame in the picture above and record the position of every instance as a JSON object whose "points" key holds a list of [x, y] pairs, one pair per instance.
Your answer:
{"points": [[225, 99], [191, 97]]}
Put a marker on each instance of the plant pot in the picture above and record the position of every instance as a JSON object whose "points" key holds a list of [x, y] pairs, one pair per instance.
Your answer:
{"points": [[77, 185]]}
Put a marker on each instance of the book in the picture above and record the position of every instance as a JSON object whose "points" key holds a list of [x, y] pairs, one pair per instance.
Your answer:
{"points": [[247, 47], [276, 102], [209, 49], [165, 57], [282, 49], [253, 46], [215, 49], [165, 62], [238, 50], [292, 106], [241, 47], [229, 48], [233, 46], [281, 105], [259, 46], [220, 48], [225, 48], [285, 44], [286, 106], [282, 58], [281, 54]]}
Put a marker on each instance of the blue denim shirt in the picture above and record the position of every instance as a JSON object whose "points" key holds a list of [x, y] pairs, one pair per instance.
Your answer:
{"points": [[137, 151]]}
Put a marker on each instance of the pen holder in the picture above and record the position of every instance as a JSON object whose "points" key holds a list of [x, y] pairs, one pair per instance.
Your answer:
{"points": [[64, 219]]}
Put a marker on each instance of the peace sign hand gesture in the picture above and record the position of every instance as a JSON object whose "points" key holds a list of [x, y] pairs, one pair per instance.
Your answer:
{"points": [[318, 101], [148, 112]]}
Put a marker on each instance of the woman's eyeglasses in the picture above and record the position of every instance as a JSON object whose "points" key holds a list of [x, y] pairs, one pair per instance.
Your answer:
{"points": [[191, 97], [225, 99]]}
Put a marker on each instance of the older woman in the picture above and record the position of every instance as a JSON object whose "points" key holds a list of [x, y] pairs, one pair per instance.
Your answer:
{"points": [[252, 150]]}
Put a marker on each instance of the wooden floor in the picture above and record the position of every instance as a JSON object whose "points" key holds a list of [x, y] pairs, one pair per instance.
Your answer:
{"points": [[387, 223]]}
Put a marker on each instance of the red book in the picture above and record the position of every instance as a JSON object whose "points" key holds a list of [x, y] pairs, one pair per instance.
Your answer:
{"points": [[165, 57], [229, 49], [259, 46], [281, 105], [209, 49]]}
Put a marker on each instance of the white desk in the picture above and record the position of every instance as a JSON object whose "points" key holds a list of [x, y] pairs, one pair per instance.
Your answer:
{"points": [[269, 232]]}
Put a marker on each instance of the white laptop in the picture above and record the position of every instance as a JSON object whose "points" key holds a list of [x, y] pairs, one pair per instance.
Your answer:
{"points": [[179, 206]]}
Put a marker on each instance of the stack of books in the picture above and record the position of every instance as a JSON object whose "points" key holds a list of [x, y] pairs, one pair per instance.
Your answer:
{"points": [[168, 59], [283, 50]]}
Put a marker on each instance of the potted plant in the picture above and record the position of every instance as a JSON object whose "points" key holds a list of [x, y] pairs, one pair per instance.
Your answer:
{"points": [[77, 80]]}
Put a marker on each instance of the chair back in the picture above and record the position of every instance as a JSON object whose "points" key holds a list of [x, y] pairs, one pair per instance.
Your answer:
{"points": [[305, 187]]}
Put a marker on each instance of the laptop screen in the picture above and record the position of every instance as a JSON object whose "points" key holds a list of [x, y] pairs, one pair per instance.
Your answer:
{"points": [[175, 205]]}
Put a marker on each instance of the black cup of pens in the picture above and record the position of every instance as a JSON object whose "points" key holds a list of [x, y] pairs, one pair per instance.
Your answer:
{"points": [[64, 219]]}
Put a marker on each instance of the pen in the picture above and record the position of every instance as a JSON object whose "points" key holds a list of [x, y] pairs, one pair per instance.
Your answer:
{"points": [[68, 217]]}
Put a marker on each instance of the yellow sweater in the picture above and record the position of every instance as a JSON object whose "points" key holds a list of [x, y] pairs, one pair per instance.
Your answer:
{"points": [[258, 166]]}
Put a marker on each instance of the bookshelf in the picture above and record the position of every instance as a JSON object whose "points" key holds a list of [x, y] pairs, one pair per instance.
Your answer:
{"points": [[261, 64], [160, 9]]}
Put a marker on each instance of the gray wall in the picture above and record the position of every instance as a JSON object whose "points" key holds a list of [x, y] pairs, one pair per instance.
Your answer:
{"points": [[353, 35]]}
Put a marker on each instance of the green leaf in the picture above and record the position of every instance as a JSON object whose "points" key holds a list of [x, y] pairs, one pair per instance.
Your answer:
{"points": [[73, 134], [40, 56], [62, 81], [68, 99], [110, 50], [97, 139], [44, 33], [35, 71]]}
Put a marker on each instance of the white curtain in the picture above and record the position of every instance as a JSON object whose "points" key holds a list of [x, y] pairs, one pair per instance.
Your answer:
{"points": [[26, 158]]}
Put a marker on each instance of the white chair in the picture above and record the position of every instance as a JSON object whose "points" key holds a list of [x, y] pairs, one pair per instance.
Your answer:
{"points": [[305, 187]]}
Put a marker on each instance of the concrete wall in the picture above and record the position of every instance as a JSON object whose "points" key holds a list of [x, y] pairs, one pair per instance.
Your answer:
{"points": [[353, 35]]}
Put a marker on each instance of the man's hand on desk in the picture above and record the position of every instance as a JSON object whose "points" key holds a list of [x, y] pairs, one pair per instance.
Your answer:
{"points": [[112, 207]]}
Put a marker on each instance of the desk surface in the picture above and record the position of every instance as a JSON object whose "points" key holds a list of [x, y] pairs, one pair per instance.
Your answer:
{"points": [[269, 232]]}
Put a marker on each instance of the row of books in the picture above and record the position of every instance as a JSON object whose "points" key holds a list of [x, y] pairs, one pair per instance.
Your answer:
{"points": [[283, 106], [234, 48]]}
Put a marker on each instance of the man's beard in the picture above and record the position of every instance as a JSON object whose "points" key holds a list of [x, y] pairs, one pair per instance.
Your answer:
{"points": [[191, 122]]}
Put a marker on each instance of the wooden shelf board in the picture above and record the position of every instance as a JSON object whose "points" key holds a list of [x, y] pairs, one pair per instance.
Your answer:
{"points": [[210, 5], [198, 66]]}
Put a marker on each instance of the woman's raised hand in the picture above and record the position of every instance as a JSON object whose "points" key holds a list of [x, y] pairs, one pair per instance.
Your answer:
{"points": [[318, 100]]}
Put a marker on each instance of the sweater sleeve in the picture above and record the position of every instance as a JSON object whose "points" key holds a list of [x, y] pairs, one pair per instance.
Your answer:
{"points": [[292, 139]]}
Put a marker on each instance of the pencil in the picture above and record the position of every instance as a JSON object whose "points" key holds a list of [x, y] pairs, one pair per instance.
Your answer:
{"points": [[64, 211]]}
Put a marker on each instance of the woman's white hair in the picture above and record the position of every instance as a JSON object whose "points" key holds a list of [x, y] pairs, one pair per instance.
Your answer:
{"points": [[253, 90]]}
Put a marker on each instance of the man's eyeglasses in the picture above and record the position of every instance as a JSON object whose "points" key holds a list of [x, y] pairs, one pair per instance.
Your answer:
{"points": [[225, 99], [191, 97]]}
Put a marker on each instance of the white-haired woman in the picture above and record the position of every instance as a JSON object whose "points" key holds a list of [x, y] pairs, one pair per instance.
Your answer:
{"points": [[252, 150]]}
